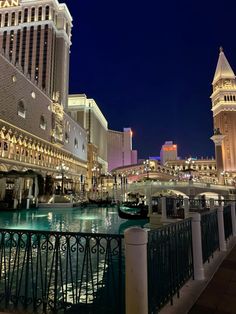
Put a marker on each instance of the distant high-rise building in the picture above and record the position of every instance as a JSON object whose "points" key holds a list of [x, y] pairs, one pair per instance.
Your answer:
{"points": [[120, 152], [168, 152], [224, 111], [87, 113], [35, 36]]}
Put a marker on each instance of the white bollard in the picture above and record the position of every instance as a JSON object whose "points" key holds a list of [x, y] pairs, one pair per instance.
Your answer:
{"points": [[186, 207], [221, 228], [163, 209], [233, 218], [212, 203], [136, 288], [15, 203], [27, 203], [197, 246]]}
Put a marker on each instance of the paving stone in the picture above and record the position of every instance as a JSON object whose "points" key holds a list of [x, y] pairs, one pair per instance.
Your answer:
{"points": [[219, 297]]}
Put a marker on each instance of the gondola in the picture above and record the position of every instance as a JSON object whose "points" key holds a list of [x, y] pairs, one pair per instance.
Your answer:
{"points": [[100, 202], [132, 205], [142, 214]]}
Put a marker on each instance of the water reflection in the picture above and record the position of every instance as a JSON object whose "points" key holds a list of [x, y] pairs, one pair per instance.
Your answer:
{"points": [[94, 220]]}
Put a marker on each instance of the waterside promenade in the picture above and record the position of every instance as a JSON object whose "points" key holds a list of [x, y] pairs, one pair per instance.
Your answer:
{"points": [[215, 294]]}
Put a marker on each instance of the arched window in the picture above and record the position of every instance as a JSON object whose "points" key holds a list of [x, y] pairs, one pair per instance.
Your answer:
{"points": [[47, 10], [6, 20], [76, 143], [66, 137], [21, 111], [42, 123], [40, 14], [25, 20], [32, 14], [13, 18]]}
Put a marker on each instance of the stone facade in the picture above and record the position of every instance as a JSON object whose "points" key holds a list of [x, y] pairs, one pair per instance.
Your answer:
{"points": [[27, 117]]}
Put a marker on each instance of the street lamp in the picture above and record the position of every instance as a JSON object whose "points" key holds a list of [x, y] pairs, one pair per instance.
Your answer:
{"points": [[189, 162], [62, 169], [147, 167]]}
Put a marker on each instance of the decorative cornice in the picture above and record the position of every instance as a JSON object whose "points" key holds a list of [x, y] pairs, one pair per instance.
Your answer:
{"points": [[218, 139]]}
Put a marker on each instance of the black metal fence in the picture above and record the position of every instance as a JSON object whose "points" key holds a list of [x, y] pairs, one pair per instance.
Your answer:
{"points": [[210, 234], [170, 262], [227, 222], [61, 272]]}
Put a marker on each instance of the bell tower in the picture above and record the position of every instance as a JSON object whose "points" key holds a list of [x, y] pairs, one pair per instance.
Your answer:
{"points": [[224, 110]]}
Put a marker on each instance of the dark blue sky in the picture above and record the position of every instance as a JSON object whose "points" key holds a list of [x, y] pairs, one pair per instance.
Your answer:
{"points": [[149, 65]]}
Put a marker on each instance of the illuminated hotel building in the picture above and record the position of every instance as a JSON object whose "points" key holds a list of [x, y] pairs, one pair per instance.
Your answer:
{"points": [[224, 114], [35, 131], [168, 152], [87, 113], [35, 37], [120, 152]]}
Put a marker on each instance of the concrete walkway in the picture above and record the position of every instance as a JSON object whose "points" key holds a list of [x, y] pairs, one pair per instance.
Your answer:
{"points": [[219, 297], [214, 295]]}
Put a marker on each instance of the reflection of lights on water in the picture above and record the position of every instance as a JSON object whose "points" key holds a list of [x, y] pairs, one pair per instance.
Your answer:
{"points": [[88, 289], [20, 227], [39, 216], [49, 216], [91, 217]]}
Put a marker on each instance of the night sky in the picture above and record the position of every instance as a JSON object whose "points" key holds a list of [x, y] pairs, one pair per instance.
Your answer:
{"points": [[149, 65]]}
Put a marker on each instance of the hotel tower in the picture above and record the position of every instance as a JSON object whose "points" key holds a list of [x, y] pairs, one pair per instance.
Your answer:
{"points": [[35, 36], [36, 133], [224, 115]]}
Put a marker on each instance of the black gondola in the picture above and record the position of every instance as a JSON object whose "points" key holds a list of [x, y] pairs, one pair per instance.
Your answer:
{"points": [[100, 202], [142, 214]]}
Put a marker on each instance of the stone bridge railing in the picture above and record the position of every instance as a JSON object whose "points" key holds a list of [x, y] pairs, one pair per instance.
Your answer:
{"points": [[188, 188]]}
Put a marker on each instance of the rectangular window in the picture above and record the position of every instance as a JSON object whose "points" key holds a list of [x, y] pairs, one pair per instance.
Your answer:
{"points": [[11, 44], [4, 41], [37, 53], [17, 46], [45, 56], [31, 49], [23, 47], [19, 17]]}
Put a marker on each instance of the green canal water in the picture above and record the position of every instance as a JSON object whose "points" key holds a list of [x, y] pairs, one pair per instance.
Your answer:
{"points": [[89, 220]]}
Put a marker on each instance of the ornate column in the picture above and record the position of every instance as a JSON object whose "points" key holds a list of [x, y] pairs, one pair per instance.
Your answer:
{"points": [[217, 138]]}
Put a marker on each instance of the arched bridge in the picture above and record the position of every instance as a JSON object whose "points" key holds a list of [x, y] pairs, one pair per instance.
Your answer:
{"points": [[190, 189]]}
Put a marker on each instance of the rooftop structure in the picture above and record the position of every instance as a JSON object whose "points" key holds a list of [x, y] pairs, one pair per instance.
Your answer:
{"points": [[224, 112], [36, 37]]}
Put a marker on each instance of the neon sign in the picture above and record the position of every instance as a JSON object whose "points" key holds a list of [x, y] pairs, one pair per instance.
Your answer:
{"points": [[170, 148], [9, 3]]}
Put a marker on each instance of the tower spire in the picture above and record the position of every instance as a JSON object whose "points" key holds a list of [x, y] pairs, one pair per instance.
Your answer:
{"points": [[223, 68]]}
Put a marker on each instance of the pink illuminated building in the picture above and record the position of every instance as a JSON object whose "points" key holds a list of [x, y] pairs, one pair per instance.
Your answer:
{"points": [[119, 149]]}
